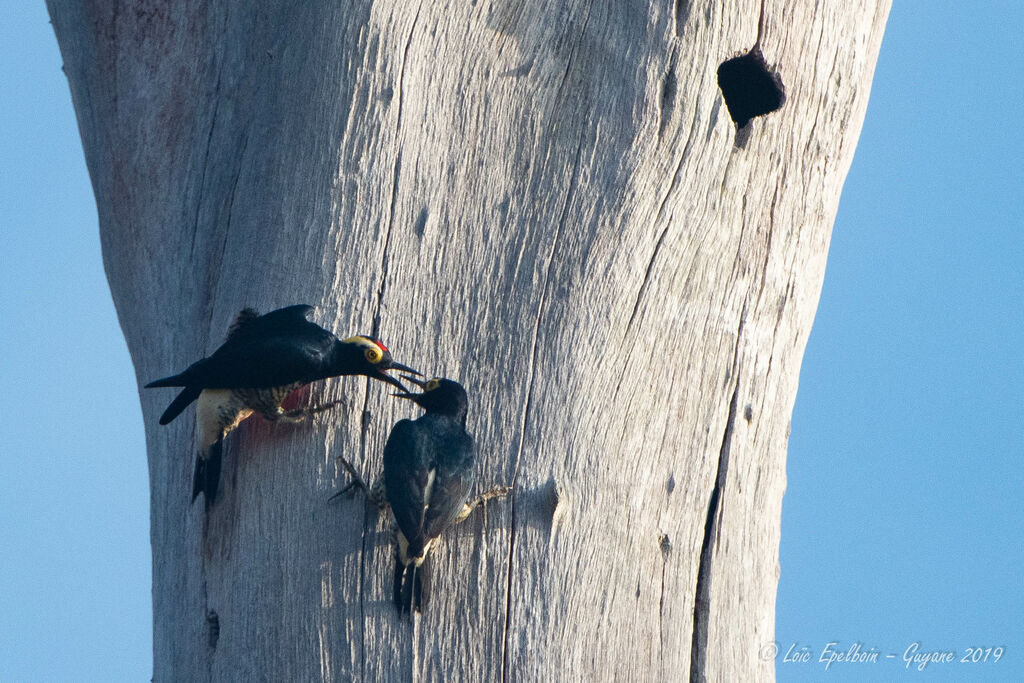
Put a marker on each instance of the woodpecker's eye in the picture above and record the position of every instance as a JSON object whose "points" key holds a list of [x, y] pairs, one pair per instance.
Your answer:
{"points": [[373, 354], [432, 384]]}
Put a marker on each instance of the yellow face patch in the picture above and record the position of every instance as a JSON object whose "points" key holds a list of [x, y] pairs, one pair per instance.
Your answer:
{"points": [[373, 350], [432, 384]]}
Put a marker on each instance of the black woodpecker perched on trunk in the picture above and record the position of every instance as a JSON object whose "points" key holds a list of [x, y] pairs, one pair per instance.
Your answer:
{"points": [[264, 359], [428, 475]]}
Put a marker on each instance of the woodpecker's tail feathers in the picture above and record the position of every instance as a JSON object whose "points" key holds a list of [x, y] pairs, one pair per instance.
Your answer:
{"points": [[206, 479], [412, 587], [187, 395], [172, 381]]}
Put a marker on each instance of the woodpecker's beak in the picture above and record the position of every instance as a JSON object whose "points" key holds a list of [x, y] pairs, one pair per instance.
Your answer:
{"points": [[404, 368], [385, 377], [418, 382], [408, 394]]}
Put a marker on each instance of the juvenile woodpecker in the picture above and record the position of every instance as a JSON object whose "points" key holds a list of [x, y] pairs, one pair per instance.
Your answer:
{"points": [[428, 475], [263, 360]]}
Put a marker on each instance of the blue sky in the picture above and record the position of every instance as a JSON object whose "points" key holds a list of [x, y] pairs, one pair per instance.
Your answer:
{"points": [[902, 518]]}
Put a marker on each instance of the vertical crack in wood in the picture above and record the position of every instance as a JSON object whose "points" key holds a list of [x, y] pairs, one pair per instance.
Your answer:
{"points": [[760, 25], [764, 279], [572, 54], [702, 593], [202, 185], [415, 620], [661, 613], [231, 203], [381, 289], [768, 246], [206, 163], [395, 177], [360, 590], [680, 13], [224, 241], [666, 549], [207, 611], [532, 373], [211, 640], [364, 431], [667, 97], [664, 231], [209, 140]]}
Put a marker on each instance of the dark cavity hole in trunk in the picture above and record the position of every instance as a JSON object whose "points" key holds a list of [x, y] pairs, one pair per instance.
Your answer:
{"points": [[749, 88]]}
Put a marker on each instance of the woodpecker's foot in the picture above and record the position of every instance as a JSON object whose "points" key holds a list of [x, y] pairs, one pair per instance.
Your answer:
{"points": [[496, 492], [377, 494], [374, 494], [356, 483], [300, 414]]}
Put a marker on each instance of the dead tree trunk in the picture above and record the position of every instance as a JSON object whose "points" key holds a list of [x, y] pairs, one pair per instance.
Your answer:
{"points": [[547, 201]]}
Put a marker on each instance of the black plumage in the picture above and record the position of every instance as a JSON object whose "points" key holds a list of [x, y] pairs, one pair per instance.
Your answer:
{"points": [[427, 478], [264, 359], [428, 475]]}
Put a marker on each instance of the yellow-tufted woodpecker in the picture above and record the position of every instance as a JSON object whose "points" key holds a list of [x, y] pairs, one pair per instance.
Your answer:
{"points": [[264, 359], [428, 475]]}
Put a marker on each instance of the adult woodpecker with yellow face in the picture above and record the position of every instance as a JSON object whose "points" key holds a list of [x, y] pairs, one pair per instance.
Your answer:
{"points": [[264, 359]]}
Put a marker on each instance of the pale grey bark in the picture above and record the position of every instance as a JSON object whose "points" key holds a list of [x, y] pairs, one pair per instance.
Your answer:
{"points": [[542, 200]]}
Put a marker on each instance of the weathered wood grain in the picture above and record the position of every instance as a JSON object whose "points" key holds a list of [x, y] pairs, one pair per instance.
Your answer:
{"points": [[543, 200]]}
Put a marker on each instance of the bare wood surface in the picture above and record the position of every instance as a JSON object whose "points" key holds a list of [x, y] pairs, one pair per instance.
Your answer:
{"points": [[544, 201]]}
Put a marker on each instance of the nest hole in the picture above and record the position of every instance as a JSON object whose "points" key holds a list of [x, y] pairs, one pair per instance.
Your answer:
{"points": [[749, 87]]}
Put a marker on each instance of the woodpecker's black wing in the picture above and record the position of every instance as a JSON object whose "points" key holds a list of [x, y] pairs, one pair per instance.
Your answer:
{"points": [[452, 485], [272, 350], [406, 470], [191, 393], [428, 474]]}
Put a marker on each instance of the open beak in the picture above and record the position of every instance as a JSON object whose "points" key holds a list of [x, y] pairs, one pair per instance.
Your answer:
{"points": [[408, 394], [385, 377], [404, 368], [382, 375]]}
